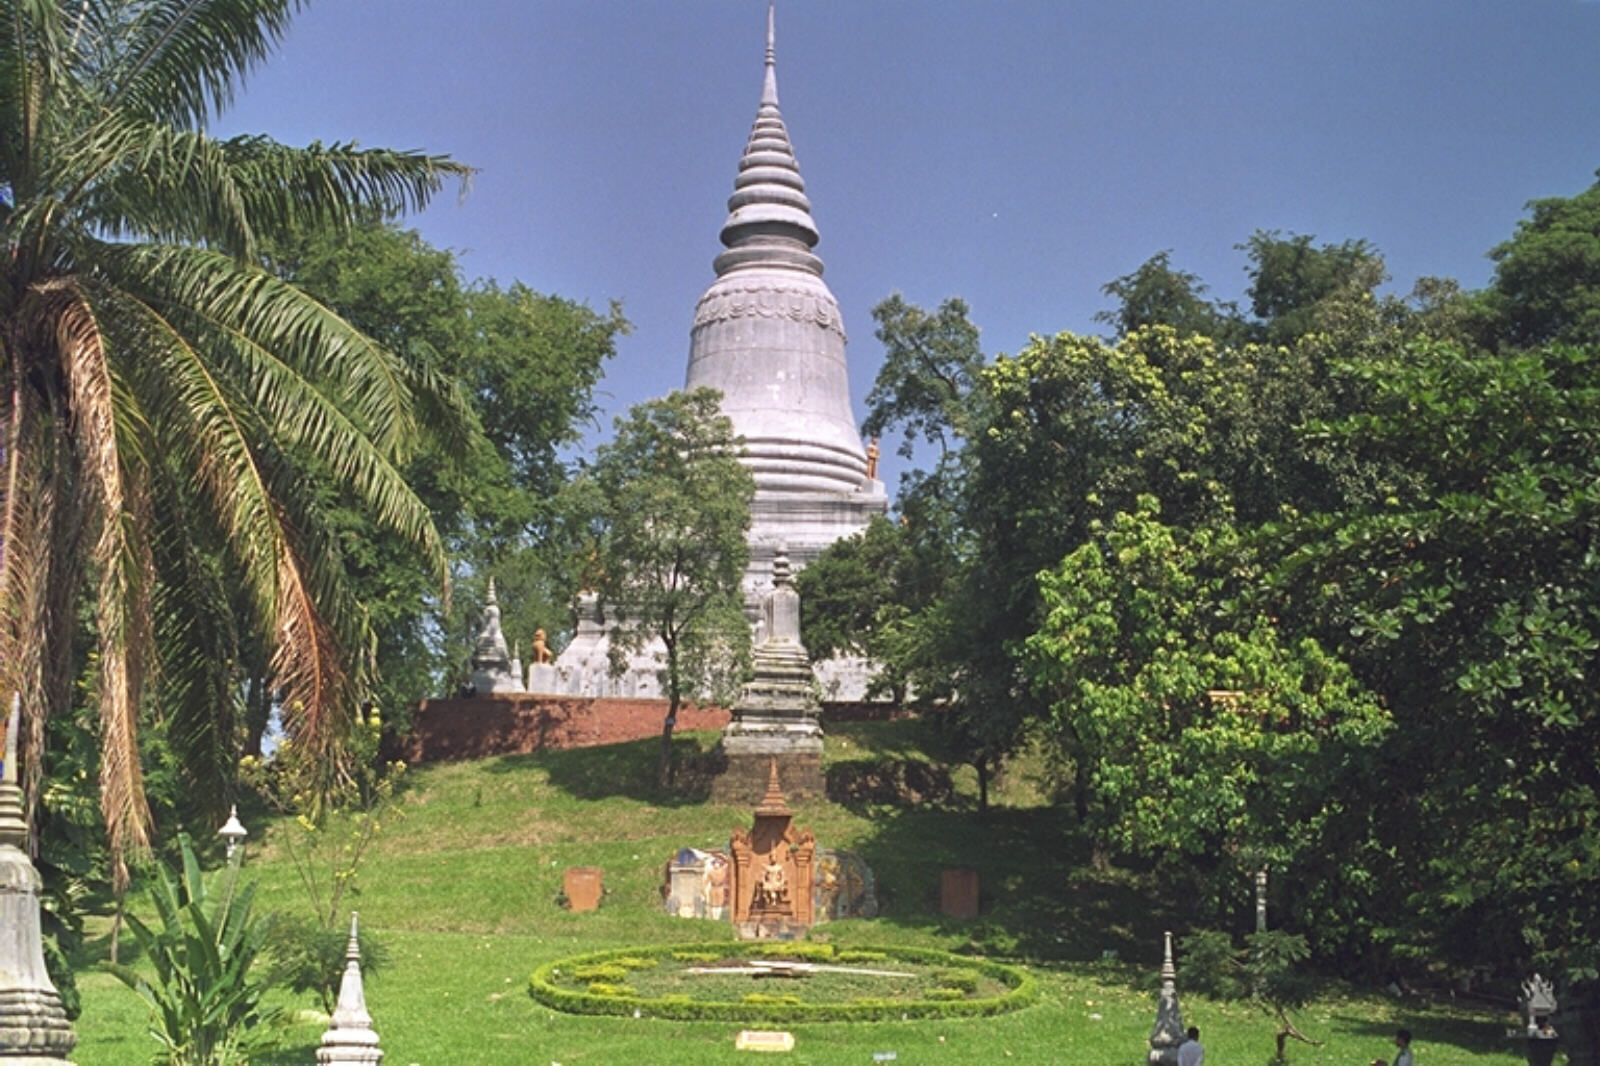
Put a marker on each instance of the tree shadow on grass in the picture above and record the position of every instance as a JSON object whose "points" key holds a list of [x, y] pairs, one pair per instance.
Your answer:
{"points": [[627, 769], [1434, 1026], [1040, 897], [295, 1052]]}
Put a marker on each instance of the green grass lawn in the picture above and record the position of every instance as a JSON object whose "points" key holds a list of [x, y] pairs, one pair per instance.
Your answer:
{"points": [[463, 891]]}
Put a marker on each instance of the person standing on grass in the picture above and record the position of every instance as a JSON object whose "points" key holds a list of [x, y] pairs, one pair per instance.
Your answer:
{"points": [[1402, 1040], [1191, 1052]]}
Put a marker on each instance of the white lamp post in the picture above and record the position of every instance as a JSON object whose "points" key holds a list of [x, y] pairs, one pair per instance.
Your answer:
{"points": [[233, 832]]}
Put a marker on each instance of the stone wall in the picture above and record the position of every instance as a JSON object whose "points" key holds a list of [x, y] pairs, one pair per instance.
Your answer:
{"points": [[518, 724]]}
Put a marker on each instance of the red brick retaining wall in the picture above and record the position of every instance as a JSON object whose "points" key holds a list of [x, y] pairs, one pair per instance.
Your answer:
{"points": [[516, 725]]}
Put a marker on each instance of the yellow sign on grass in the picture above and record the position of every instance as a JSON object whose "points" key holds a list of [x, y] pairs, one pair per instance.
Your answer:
{"points": [[763, 1040]]}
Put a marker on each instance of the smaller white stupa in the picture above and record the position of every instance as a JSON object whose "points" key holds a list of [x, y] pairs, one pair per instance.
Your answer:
{"points": [[491, 660], [350, 1040]]}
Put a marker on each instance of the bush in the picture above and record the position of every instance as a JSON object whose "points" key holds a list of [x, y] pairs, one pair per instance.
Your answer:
{"points": [[307, 957], [791, 949], [634, 962], [963, 981], [601, 971], [205, 1009], [602, 988], [857, 955]]}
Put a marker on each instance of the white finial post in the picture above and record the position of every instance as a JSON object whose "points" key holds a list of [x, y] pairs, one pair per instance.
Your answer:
{"points": [[769, 84], [1168, 1032], [350, 1039]]}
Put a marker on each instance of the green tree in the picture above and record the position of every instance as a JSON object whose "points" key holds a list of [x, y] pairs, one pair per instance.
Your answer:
{"points": [[1291, 275], [861, 596], [158, 383], [526, 364], [1157, 294], [1464, 593], [1547, 276], [1184, 698], [669, 507], [1269, 971], [930, 366]]}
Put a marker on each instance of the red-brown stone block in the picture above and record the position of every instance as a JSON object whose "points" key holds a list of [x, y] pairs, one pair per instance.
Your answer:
{"points": [[958, 893], [583, 887]]}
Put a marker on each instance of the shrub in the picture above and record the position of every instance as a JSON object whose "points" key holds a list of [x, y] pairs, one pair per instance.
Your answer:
{"points": [[792, 949], [857, 955], [309, 957], [603, 988], [964, 981], [601, 971], [205, 1009], [634, 962], [945, 994]]}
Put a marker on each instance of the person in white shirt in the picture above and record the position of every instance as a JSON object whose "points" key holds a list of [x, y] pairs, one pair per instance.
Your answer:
{"points": [[1402, 1040], [1191, 1052]]}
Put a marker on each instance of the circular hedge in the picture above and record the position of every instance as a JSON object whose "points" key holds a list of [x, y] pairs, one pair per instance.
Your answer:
{"points": [[597, 983]]}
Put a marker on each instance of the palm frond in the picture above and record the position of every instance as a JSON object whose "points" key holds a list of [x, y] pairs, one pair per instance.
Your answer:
{"points": [[181, 60], [130, 177], [215, 433], [26, 541], [197, 684], [285, 187], [299, 416], [122, 619], [316, 343], [144, 180]]}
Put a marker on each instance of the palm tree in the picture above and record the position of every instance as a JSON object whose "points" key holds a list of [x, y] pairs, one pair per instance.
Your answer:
{"points": [[162, 393]]}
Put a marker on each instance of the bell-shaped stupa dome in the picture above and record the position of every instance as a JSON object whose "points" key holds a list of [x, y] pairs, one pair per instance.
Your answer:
{"points": [[768, 333]]}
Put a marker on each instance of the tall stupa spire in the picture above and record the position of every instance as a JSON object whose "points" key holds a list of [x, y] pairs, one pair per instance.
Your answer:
{"points": [[769, 218], [769, 88], [768, 334]]}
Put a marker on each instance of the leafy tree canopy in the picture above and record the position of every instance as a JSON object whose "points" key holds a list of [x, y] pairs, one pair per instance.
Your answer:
{"points": [[668, 506]]}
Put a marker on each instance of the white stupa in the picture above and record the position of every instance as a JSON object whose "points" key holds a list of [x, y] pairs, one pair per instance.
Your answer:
{"points": [[768, 334]]}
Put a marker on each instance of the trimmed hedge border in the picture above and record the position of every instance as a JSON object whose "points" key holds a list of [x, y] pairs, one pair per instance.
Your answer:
{"points": [[1021, 989]]}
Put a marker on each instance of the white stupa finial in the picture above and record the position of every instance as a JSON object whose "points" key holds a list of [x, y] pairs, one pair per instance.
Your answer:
{"points": [[1168, 1032], [350, 1040], [769, 85]]}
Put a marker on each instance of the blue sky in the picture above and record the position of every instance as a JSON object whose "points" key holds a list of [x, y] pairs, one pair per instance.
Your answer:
{"points": [[1017, 153]]}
